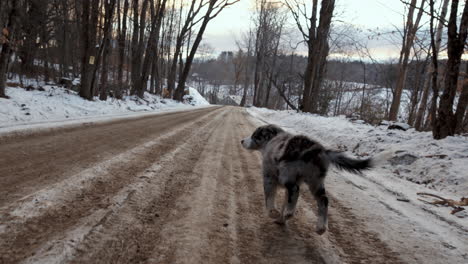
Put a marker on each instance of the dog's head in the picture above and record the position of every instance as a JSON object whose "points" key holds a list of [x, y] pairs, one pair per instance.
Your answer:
{"points": [[260, 137]]}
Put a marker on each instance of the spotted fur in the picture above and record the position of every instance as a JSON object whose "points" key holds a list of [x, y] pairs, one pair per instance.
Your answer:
{"points": [[288, 161]]}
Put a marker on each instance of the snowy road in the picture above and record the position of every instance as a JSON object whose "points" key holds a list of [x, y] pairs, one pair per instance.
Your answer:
{"points": [[171, 188]]}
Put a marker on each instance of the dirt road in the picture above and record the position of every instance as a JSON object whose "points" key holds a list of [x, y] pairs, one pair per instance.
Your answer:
{"points": [[170, 188]]}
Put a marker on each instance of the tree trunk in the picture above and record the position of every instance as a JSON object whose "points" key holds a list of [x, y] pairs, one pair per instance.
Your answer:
{"points": [[109, 9], [259, 50], [363, 90], [135, 60], [423, 105], [85, 90], [317, 53], [104, 71], [151, 48], [445, 121], [93, 39], [173, 69], [179, 92], [104, 50], [404, 56], [282, 94], [415, 95], [121, 39], [154, 77], [462, 103], [64, 57], [465, 122], [6, 47], [273, 66], [170, 81], [320, 68], [247, 71]]}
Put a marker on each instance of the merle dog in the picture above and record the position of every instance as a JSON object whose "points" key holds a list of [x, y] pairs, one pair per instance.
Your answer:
{"points": [[289, 160]]}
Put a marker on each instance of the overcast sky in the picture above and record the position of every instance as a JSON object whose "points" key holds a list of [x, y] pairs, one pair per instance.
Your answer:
{"points": [[377, 15]]}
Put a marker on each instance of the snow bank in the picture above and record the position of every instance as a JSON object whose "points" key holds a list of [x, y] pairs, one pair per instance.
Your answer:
{"points": [[419, 159], [196, 98], [56, 103]]}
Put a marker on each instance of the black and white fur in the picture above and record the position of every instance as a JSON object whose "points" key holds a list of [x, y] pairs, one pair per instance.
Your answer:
{"points": [[288, 161]]}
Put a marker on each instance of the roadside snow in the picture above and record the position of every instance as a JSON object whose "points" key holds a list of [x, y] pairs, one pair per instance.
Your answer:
{"points": [[386, 197], [59, 104], [439, 165], [197, 98]]}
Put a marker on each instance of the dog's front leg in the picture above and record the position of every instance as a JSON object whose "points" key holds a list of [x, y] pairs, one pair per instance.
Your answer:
{"points": [[322, 204], [269, 186]]}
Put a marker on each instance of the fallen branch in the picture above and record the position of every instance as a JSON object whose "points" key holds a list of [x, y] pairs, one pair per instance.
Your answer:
{"points": [[456, 205], [424, 201], [440, 156]]}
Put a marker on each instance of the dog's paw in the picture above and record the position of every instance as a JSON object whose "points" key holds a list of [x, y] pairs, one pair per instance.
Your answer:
{"points": [[287, 214], [280, 221], [273, 213], [320, 230]]}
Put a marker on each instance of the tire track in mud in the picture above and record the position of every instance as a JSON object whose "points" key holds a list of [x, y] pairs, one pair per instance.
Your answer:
{"points": [[358, 244], [33, 161], [347, 236], [27, 236], [199, 227], [133, 231]]}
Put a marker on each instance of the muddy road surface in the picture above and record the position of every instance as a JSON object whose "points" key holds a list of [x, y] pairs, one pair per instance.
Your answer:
{"points": [[168, 188]]}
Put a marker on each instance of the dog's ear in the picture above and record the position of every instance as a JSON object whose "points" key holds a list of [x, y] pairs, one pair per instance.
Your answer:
{"points": [[265, 133], [270, 131]]}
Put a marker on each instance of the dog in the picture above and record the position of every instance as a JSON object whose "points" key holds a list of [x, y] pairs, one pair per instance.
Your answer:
{"points": [[288, 161]]}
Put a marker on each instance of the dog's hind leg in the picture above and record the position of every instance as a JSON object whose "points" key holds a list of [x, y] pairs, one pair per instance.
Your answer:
{"points": [[290, 201], [322, 204], [269, 186]]}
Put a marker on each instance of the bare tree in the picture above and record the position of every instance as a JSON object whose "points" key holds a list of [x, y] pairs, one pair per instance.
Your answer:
{"points": [[213, 9], [105, 44], [89, 18], [238, 63], [284, 82], [417, 74], [268, 32], [8, 37], [408, 38], [248, 40], [189, 22], [425, 96], [151, 50], [445, 122], [138, 42], [462, 107], [260, 49], [316, 38], [122, 34]]}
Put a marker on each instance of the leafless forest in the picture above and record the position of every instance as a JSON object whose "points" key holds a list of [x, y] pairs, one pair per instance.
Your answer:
{"points": [[118, 47]]}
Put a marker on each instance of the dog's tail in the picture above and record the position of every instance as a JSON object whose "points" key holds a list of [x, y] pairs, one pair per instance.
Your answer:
{"points": [[343, 162]]}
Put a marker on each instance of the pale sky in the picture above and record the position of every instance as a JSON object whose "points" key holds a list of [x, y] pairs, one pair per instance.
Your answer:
{"points": [[378, 15]]}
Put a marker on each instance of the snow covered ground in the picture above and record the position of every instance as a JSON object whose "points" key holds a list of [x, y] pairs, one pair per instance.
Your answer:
{"points": [[387, 196], [196, 98], [438, 165], [53, 103]]}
